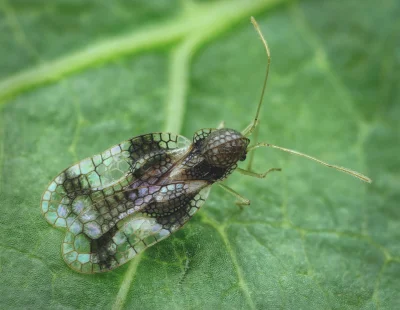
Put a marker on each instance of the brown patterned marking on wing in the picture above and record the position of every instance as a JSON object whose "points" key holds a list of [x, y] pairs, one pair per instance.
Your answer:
{"points": [[138, 230], [92, 178], [170, 208]]}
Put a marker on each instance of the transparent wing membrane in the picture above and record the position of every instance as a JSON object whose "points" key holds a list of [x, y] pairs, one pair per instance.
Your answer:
{"points": [[103, 174], [107, 202], [137, 230]]}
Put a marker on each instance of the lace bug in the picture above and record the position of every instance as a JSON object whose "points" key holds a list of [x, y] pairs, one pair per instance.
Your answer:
{"points": [[116, 204]]}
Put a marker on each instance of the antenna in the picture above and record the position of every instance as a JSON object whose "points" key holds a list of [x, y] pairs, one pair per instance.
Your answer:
{"points": [[342, 169], [249, 129]]}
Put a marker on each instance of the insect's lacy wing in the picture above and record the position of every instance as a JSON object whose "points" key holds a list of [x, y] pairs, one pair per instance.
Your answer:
{"points": [[95, 178], [167, 209], [202, 134]]}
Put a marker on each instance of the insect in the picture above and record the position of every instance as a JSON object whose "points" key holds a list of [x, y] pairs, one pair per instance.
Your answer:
{"points": [[116, 204]]}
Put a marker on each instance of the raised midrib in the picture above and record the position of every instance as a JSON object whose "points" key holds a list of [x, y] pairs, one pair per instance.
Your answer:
{"points": [[196, 26], [194, 21]]}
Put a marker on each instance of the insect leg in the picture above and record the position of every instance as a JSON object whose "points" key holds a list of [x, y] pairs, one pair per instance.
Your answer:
{"points": [[257, 175], [251, 155], [241, 201]]}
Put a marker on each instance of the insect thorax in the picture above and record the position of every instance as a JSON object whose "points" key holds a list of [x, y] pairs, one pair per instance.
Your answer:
{"points": [[214, 154]]}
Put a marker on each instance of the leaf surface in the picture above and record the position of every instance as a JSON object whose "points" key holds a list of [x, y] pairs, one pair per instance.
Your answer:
{"points": [[77, 77]]}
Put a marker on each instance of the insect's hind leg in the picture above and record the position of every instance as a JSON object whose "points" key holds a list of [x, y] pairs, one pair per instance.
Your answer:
{"points": [[257, 175], [241, 201]]}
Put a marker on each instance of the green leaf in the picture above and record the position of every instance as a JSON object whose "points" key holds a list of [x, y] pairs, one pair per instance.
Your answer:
{"points": [[79, 76]]}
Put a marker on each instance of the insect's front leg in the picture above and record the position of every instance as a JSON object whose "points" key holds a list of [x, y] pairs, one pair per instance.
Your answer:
{"points": [[257, 175]]}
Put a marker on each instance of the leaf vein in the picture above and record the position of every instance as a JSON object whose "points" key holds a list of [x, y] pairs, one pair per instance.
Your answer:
{"points": [[221, 229], [206, 18], [126, 283]]}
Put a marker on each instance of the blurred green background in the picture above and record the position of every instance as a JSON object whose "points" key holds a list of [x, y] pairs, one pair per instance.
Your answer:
{"points": [[79, 76]]}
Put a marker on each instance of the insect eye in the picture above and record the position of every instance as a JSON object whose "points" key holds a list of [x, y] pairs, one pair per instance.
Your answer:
{"points": [[243, 158]]}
